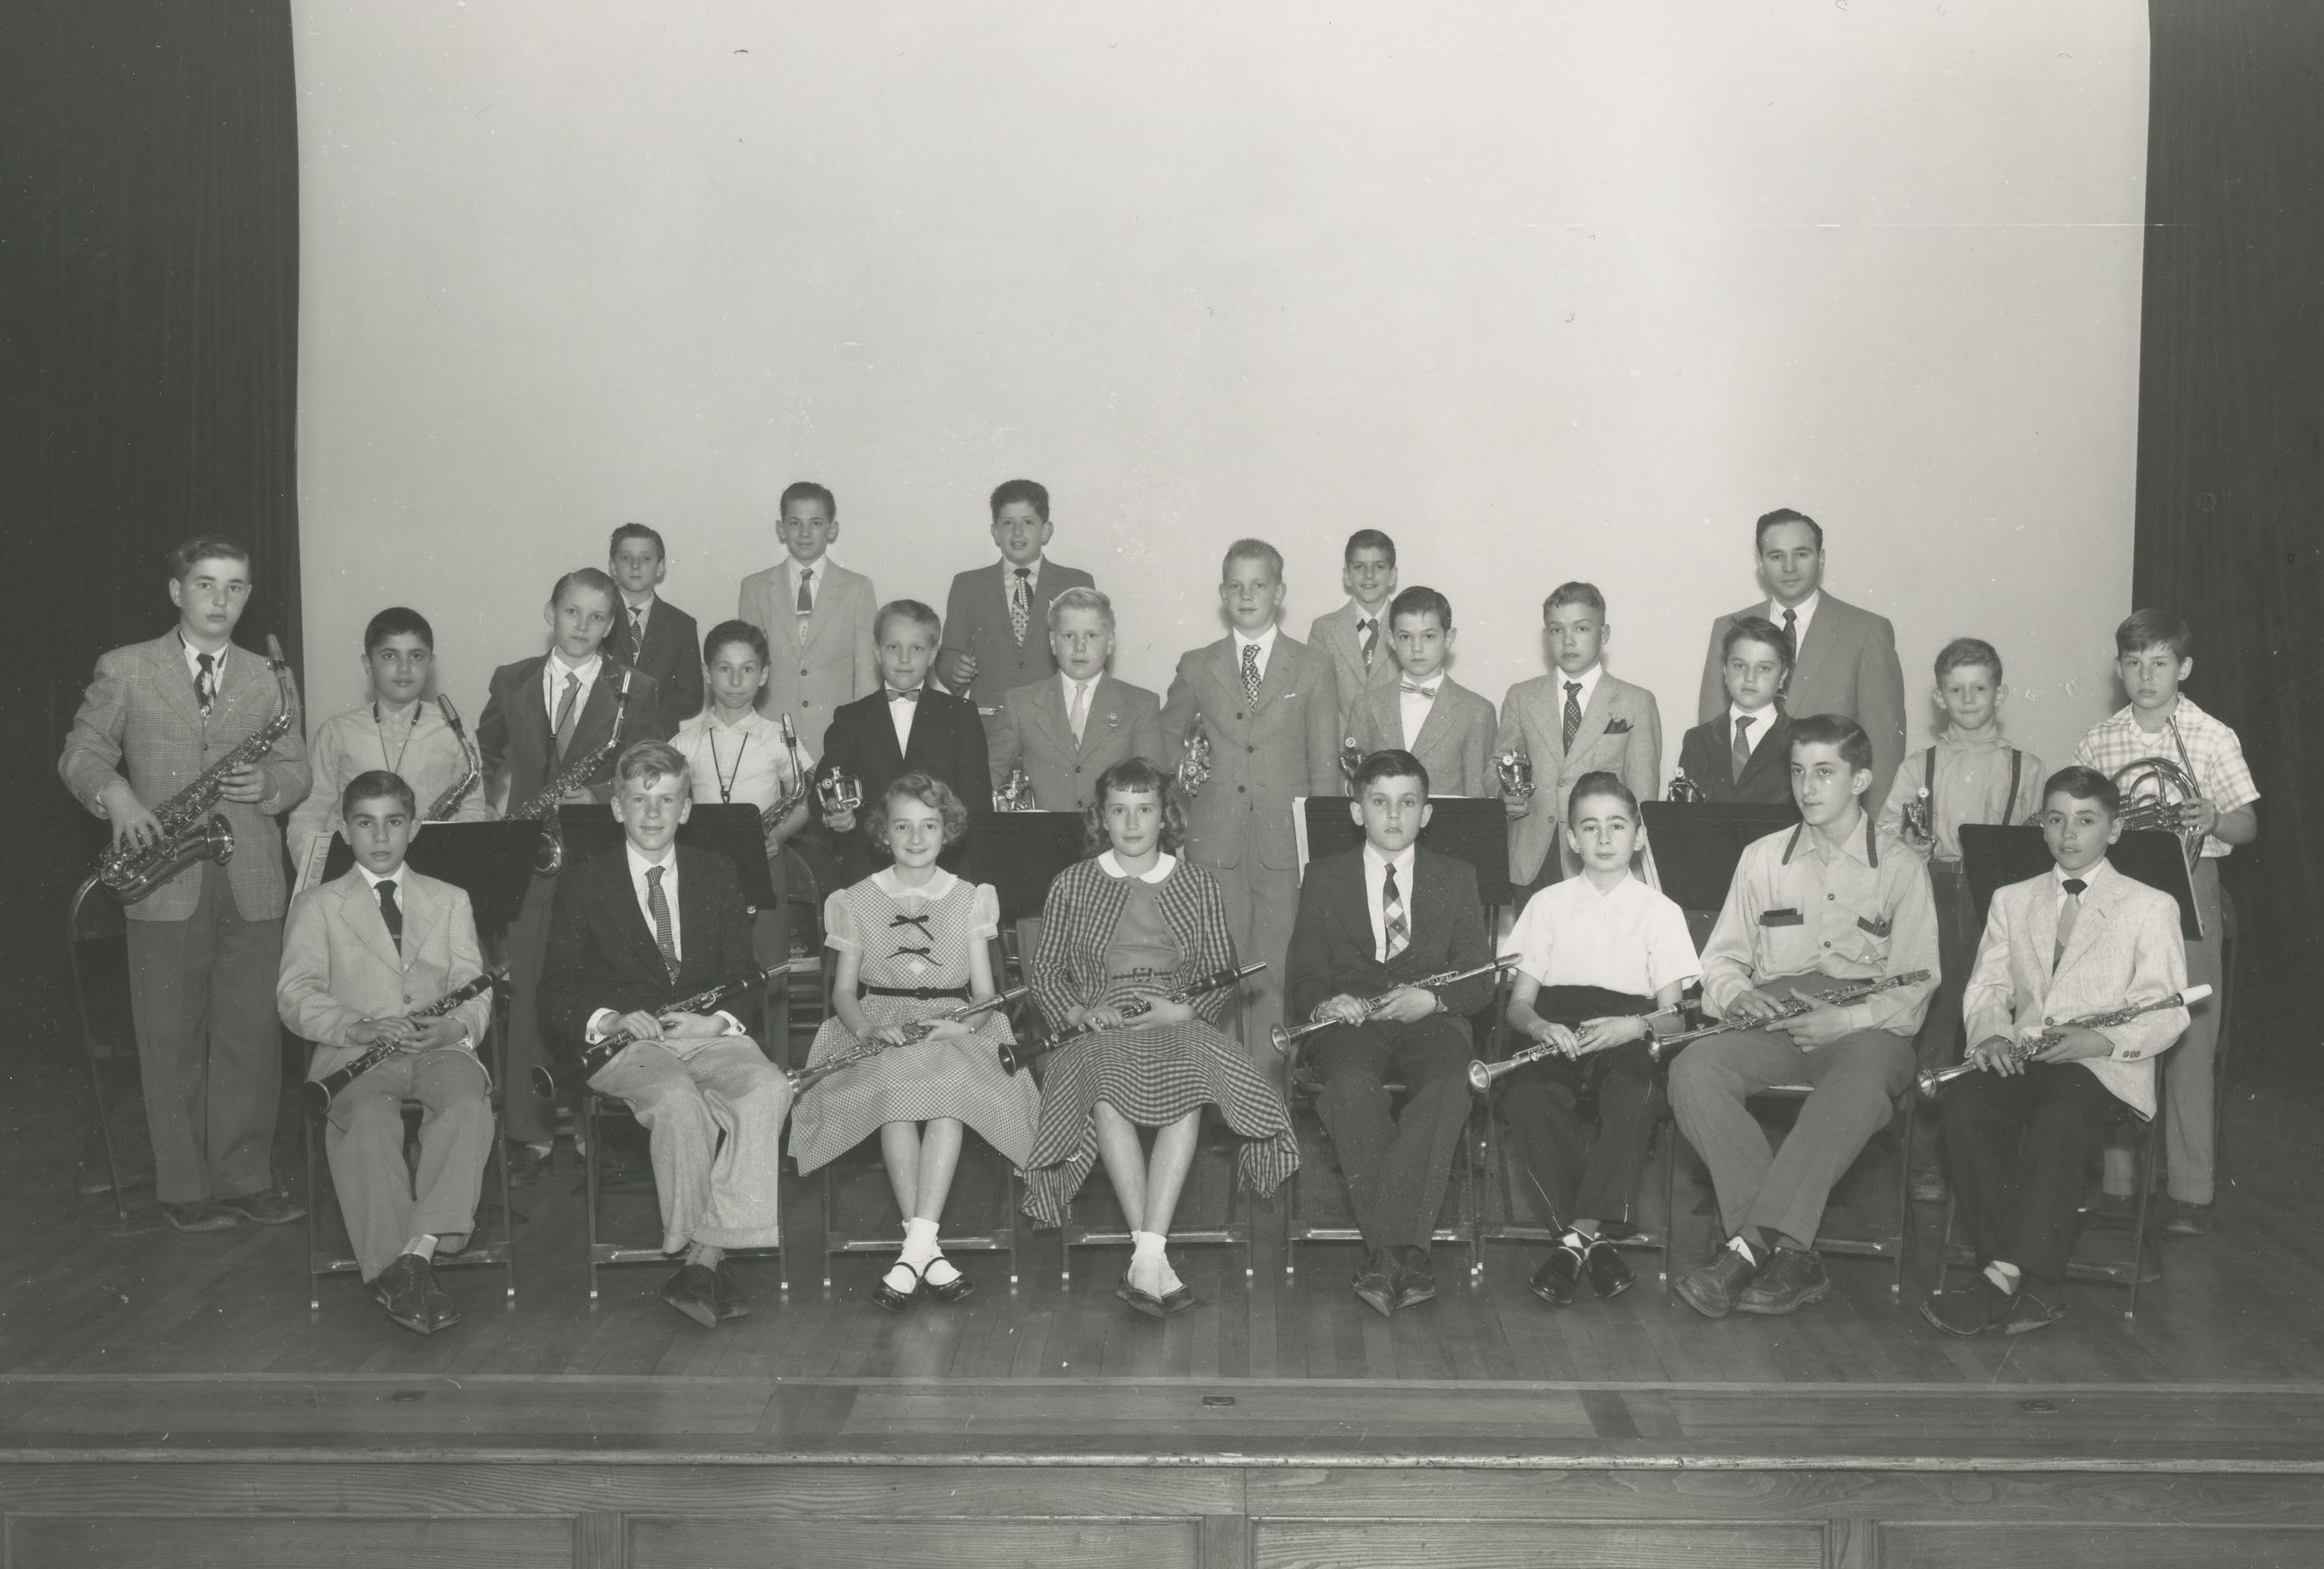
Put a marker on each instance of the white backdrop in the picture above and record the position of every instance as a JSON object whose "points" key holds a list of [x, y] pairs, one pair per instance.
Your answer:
{"points": [[1546, 291]]}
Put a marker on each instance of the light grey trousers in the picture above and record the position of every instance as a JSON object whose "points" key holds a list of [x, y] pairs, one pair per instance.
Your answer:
{"points": [[386, 1204], [714, 1116]]}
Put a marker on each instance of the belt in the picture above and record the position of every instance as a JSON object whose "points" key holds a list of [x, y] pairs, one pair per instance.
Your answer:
{"points": [[919, 993]]}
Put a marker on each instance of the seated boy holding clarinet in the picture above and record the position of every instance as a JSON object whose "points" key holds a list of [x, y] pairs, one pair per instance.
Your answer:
{"points": [[2081, 984], [369, 960]]}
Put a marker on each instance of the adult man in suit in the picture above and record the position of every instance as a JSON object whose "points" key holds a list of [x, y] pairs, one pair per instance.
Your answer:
{"points": [[541, 716], [993, 617], [1844, 658], [1358, 636], [1753, 727], [1269, 710], [203, 946], [656, 637], [817, 617], [906, 728], [636, 929], [1576, 720], [2079, 939], [1068, 729], [359, 954], [1371, 921]]}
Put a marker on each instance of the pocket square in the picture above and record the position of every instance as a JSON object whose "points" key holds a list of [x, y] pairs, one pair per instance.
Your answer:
{"points": [[1617, 727]]}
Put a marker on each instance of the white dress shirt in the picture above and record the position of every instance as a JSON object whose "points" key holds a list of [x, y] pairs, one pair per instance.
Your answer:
{"points": [[1088, 688], [1032, 582], [1804, 610], [1762, 721], [553, 672], [1413, 708], [743, 762], [1587, 680], [467, 1041], [1629, 939], [1376, 867], [1264, 643], [601, 1022], [194, 662], [792, 570], [900, 713]]}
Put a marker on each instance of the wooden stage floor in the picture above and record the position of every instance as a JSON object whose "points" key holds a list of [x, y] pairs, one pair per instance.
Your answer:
{"points": [[166, 1398]]}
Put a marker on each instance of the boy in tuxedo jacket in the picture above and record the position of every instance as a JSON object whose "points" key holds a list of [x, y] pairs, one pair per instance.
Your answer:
{"points": [[1370, 922], [655, 637], [906, 728], [361, 952], [1745, 754], [994, 616], [542, 713], [1358, 637], [1067, 730], [817, 617], [1426, 712], [634, 929]]}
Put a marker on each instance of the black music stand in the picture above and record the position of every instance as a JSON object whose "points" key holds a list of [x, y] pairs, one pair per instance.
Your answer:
{"points": [[731, 828], [1696, 845], [1471, 828], [1995, 856], [1021, 854], [491, 862]]}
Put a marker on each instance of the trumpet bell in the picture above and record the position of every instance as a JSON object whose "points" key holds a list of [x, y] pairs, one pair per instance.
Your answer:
{"points": [[1281, 1037], [1481, 1076], [1927, 1082]]}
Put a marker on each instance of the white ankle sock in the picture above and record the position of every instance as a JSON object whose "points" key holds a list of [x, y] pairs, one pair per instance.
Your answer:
{"points": [[2005, 1277], [424, 1245], [919, 1242], [1575, 1239], [1147, 1244], [1750, 1254]]}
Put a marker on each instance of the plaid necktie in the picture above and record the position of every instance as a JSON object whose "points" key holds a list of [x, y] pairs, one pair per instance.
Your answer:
{"points": [[637, 633], [664, 938], [205, 685], [1742, 753], [1397, 928], [1370, 627], [1077, 711], [2066, 917], [1573, 714], [565, 705], [389, 913], [1251, 673], [806, 594], [1020, 604]]}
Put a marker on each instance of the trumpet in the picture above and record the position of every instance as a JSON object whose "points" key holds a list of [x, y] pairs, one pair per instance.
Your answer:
{"points": [[2159, 793], [1285, 1039], [1685, 791], [1931, 1082], [801, 786], [838, 793], [1351, 761], [1195, 766], [596, 1054], [1015, 793], [1013, 1061], [190, 830], [319, 1094], [540, 806], [803, 1079], [1919, 819], [1516, 770], [442, 808], [1661, 1048]]}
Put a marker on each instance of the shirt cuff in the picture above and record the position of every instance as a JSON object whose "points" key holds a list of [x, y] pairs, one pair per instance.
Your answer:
{"points": [[733, 1025], [600, 1024]]}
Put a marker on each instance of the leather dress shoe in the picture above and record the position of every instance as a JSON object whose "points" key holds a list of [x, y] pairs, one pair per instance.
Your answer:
{"points": [[2034, 1307], [526, 1165], [1712, 1289], [887, 1298], [200, 1215], [728, 1297], [401, 1288], [1554, 1281], [1609, 1276], [2182, 1219], [694, 1291], [443, 1313], [1375, 1284], [1792, 1279], [266, 1207], [1416, 1278], [1982, 1306]]}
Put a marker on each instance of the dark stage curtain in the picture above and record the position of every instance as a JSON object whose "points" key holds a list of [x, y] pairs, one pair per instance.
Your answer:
{"points": [[2231, 449], [148, 298]]}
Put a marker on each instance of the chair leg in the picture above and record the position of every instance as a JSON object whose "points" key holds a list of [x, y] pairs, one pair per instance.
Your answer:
{"points": [[1945, 1244], [88, 1052], [508, 1224], [1904, 1195], [1670, 1202], [314, 1209], [2144, 1178], [588, 1129], [830, 1217]]}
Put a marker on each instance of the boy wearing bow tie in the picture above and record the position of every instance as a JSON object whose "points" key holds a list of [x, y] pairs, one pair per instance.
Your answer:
{"points": [[1425, 711], [905, 727]]}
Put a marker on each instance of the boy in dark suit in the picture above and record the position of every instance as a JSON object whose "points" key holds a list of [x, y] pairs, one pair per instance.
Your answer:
{"points": [[657, 639], [1370, 922], [1358, 637], [634, 929], [1745, 754], [1268, 709], [204, 946], [1067, 730], [541, 714], [906, 728], [994, 615]]}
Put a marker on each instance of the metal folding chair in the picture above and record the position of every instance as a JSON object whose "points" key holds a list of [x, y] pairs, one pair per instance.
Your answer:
{"points": [[93, 918]]}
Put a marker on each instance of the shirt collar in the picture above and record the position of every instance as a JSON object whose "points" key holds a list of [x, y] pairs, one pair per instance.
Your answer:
{"points": [[886, 881], [1805, 610], [1033, 568], [651, 599], [1427, 683], [586, 670], [638, 861], [1356, 609], [1068, 684], [1264, 643], [1761, 722], [1857, 846], [395, 877], [1989, 739], [2091, 876], [193, 656], [1588, 681], [889, 692], [1402, 861], [819, 567], [1164, 864]]}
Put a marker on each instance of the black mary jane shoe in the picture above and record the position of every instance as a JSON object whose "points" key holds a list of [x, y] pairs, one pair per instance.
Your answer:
{"points": [[888, 1299], [1609, 1276], [952, 1290], [1554, 1281], [1145, 1302], [1177, 1300]]}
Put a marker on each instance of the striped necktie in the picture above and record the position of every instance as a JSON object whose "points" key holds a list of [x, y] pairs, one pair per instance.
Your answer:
{"points": [[1742, 753], [2067, 915]]}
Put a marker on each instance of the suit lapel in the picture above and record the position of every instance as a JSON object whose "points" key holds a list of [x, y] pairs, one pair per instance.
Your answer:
{"points": [[1807, 659], [2089, 925], [170, 678], [1429, 725], [1105, 701], [359, 907], [533, 714], [882, 739], [1281, 674], [1049, 711], [1774, 746], [1593, 717], [783, 618]]}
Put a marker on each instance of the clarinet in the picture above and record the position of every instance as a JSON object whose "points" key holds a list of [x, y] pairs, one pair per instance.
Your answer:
{"points": [[806, 1078], [319, 1094], [1285, 1039], [595, 1056], [1931, 1082], [1015, 1061]]}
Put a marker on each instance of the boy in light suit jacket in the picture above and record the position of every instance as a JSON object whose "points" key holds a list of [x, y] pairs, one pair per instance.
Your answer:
{"points": [[655, 638], [1426, 712], [203, 946], [817, 615], [1269, 710], [2079, 939], [1575, 721], [360, 953], [1067, 730], [994, 617], [1358, 636]]}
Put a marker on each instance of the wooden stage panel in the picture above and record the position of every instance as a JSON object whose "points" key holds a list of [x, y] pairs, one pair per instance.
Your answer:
{"points": [[823, 1543], [1565, 1544], [2144, 1546], [179, 1542]]}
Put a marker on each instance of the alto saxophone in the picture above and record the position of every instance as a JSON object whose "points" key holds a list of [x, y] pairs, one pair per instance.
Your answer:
{"points": [[442, 808], [190, 831], [540, 806], [801, 786]]}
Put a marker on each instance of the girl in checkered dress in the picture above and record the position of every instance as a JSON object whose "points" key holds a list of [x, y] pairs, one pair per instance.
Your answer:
{"points": [[911, 942], [1129, 926]]}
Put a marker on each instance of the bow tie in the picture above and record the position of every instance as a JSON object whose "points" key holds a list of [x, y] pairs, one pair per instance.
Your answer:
{"points": [[920, 921], [1416, 689], [911, 696], [901, 952]]}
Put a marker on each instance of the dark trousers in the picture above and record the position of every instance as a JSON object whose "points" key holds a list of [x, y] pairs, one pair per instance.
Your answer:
{"points": [[1572, 1177], [2019, 1150], [1396, 1165], [1939, 1042], [209, 1046], [527, 1118]]}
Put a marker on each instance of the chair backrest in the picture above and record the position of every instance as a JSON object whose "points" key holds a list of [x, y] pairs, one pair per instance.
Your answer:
{"points": [[1468, 828], [1021, 854]]}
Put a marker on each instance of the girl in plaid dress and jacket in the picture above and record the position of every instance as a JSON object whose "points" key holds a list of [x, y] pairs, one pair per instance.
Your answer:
{"points": [[1130, 926]]}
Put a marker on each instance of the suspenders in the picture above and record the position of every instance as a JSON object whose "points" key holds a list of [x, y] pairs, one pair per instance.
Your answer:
{"points": [[2008, 802]]}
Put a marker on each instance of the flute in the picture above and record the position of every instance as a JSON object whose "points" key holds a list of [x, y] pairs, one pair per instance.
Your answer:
{"points": [[806, 1078], [1013, 1061], [319, 1094], [598, 1053], [1285, 1039], [1931, 1082]]}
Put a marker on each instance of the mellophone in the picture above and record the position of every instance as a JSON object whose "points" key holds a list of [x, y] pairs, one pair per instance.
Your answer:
{"points": [[1285, 1039], [803, 1079], [595, 1055], [320, 1093], [1015, 1060], [1804, 991], [1931, 1082]]}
